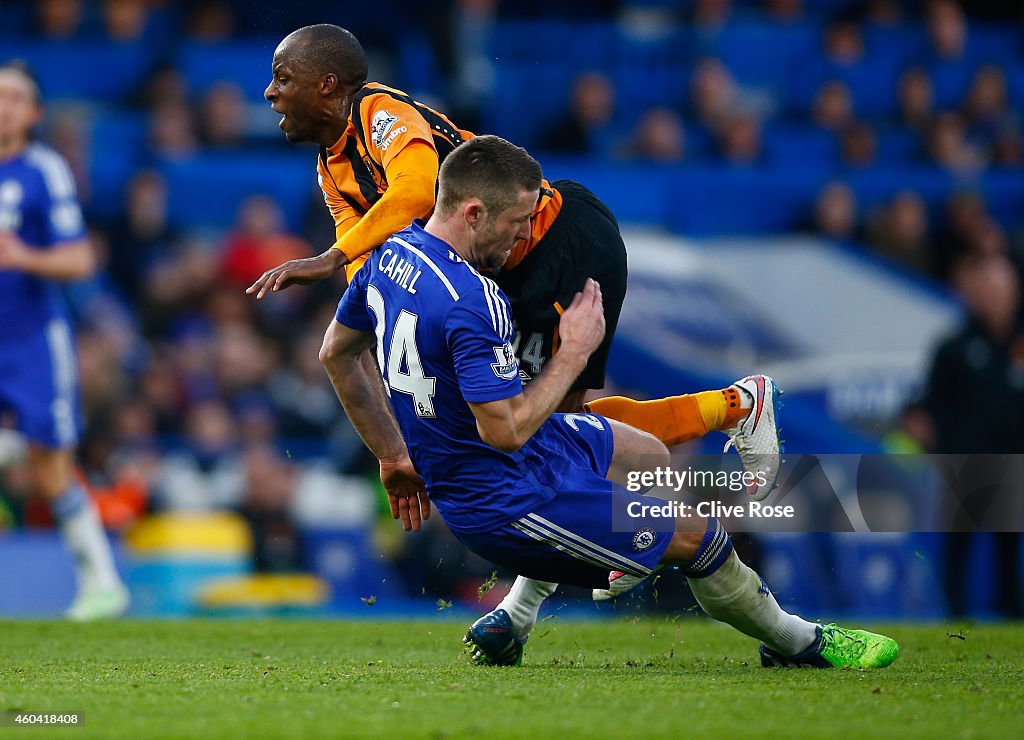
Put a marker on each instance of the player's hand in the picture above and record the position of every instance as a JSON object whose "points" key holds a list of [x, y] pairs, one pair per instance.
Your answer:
{"points": [[299, 272], [407, 494], [581, 327], [13, 252]]}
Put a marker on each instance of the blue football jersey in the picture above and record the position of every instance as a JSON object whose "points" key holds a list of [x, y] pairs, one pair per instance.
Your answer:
{"points": [[444, 338], [37, 203]]}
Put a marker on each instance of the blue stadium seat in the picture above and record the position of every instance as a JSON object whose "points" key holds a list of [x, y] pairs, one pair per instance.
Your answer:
{"points": [[247, 63], [89, 70], [715, 201], [898, 146], [207, 190], [762, 54], [896, 46], [639, 87], [877, 186], [528, 97], [117, 149], [801, 146], [873, 85]]}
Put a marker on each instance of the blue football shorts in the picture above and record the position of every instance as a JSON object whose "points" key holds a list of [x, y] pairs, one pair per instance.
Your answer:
{"points": [[571, 539], [39, 384]]}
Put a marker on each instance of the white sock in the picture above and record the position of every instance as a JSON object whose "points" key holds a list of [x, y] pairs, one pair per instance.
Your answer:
{"points": [[80, 525], [736, 595], [523, 602]]}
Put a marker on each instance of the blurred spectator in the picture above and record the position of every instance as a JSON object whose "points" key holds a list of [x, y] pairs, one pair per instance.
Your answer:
{"points": [[69, 136], [916, 100], [205, 474], [472, 30], [715, 98], [884, 13], [257, 420], [269, 484], [858, 147], [712, 94], [585, 128], [59, 20], [211, 21], [227, 306], [659, 137], [102, 380], [947, 29], [301, 392], [172, 133], [1008, 150], [989, 239], [258, 242], [833, 106], [975, 397], [125, 20], [166, 85], [135, 436], [949, 147], [140, 234], [987, 110], [222, 116], [243, 361], [835, 212], [844, 45], [964, 216], [160, 389], [177, 284], [900, 231], [785, 11], [740, 141], [711, 14]]}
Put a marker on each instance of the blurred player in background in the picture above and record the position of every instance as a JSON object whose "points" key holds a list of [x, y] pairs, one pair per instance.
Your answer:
{"points": [[43, 243], [380, 152], [518, 484]]}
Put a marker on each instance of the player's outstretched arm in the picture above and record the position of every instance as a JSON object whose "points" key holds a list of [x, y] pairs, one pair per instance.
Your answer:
{"points": [[299, 272], [73, 260], [508, 424], [350, 365]]}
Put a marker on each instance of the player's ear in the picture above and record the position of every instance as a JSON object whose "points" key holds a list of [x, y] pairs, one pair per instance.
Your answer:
{"points": [[328, 84], [473, 211]]}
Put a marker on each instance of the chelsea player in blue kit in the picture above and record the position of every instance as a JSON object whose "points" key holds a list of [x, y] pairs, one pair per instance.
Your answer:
{"points": [[43, 243], [531, 490]]}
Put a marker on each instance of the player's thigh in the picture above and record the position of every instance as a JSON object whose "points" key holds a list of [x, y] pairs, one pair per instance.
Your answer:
{"points": [[589, 528], [39, 385], [634, 450]]}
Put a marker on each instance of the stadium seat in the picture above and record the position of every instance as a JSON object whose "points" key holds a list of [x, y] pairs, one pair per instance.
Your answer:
{"points": [[247, 63], [68, 69], [207, 190]]}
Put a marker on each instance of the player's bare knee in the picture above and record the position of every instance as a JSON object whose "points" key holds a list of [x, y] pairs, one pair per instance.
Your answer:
{"points": [[329, 348]]}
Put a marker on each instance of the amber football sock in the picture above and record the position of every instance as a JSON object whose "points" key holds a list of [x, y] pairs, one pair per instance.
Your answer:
{"points": [[676, 419]]}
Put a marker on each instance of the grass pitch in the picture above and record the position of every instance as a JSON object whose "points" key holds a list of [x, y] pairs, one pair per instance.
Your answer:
{"points": [[620, 678]]}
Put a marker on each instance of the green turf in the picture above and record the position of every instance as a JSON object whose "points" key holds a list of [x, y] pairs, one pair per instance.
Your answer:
{"points": [[687, 678]]}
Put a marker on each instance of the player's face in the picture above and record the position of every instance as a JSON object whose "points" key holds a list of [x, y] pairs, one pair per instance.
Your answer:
{"points": [[292, 92], [500, 233], [19, 110]]}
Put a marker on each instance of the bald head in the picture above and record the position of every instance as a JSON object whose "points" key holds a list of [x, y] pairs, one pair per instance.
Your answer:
{"points": [[328, 49]]}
